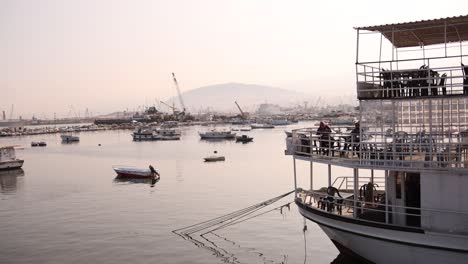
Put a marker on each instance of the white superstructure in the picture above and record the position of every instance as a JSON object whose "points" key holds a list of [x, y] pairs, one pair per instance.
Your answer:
{"points": [[8, 158]]}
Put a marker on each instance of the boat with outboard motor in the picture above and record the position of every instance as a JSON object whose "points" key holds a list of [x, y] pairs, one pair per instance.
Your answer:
{"points": [[406, 199], [8, 158], [134, 172]]}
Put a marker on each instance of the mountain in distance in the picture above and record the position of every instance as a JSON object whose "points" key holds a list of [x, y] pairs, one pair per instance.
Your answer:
{"points": [[221, 97]]}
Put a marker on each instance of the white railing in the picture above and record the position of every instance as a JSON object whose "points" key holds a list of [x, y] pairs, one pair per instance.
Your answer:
{"points": [[380, 211], [395, 150]]}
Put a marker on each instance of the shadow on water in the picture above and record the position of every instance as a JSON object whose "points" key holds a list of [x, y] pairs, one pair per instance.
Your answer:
{"points": [[9, 180], [213, 244], [150, 181], [346, 259]]}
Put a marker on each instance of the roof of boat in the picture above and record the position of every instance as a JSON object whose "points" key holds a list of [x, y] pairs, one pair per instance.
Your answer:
{"points": [[424, 32], [9, 147]]}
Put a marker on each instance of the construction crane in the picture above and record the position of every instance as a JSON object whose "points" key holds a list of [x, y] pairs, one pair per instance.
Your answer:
{"points": [[182, 105], [170, 106], [240, 109]]}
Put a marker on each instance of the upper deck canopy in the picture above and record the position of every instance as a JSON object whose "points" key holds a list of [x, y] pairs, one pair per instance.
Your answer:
{"points": [[424, 32]]}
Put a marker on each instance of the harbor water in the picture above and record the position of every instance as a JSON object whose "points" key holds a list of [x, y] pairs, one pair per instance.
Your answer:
{"points": [[66, 206]]}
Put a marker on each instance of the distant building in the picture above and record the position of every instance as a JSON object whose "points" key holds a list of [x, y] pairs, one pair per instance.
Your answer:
{"points": [[269, 109]]}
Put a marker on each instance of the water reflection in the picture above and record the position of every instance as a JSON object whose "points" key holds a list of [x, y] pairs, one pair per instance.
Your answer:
{"points": [[9, 180], [150, 181]]}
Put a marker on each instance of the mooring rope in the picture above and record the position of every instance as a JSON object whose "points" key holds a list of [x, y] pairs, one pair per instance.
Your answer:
{"points": [[229, 219]]}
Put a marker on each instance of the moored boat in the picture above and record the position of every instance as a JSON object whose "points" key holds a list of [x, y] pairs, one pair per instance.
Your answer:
{"points": [[261, 126], [244, 139], [133, 172], [214, 158], [8, 158], [38, 144], [69, 138], [407, 189], [215, 134]]}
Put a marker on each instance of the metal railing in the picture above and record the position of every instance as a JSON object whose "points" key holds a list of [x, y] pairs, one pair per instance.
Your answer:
{"points": [[391, 150], [381, 211], [380, 83], [347, 182]]}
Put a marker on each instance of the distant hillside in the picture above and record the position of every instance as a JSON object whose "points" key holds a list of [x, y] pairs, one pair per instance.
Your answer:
{"points": [[221, 97]]}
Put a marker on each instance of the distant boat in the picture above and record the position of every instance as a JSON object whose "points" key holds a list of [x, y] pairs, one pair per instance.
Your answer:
{"points": [[280, 122], [133, 172], [214, 134], [260, 126], [244, 139], [155, 134], [38, 144], [69, 138], [214, 158], [8, 159]]}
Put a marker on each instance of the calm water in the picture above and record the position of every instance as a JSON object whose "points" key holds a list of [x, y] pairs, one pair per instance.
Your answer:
{"points": [[66, 207]]}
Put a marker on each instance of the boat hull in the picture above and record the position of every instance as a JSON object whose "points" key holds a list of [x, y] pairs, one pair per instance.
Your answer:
{"points": [[133, 173], [11, 164], [213, 159], [389, 245]]}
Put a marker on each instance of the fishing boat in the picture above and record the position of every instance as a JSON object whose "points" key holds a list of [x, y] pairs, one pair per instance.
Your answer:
{"points": [[133, 172], [215, 134], [244, 139], [38, 144], [8, 158], [69, 138], [404, 199]]}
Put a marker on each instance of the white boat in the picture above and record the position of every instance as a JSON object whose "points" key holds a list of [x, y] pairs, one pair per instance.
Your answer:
{"points": [[168, 134], [261, 126], [215, 134], [8, 158], [69, 138], [133, 172], [406, 198]]}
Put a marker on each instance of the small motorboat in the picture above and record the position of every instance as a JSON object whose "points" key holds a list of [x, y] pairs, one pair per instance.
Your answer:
{"points": [[133, 172], [215, 157], [38, 144], [244, 139]]}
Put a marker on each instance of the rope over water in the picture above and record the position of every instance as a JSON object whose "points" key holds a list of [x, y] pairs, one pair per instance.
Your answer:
{"points": [[231, 218]]}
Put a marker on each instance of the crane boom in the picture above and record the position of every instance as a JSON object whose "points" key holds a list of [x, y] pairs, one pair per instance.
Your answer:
{"points": [[170, 106], [178, 93], [242, 112]]}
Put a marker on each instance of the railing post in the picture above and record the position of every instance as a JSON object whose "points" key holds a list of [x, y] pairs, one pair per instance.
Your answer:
{"points": [[329, 174], [386, 196], [295, 180], [356, 184], [311, 175]]}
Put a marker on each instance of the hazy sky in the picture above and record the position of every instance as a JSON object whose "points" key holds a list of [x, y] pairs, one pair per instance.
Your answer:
{"points": [[109, 55]]}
